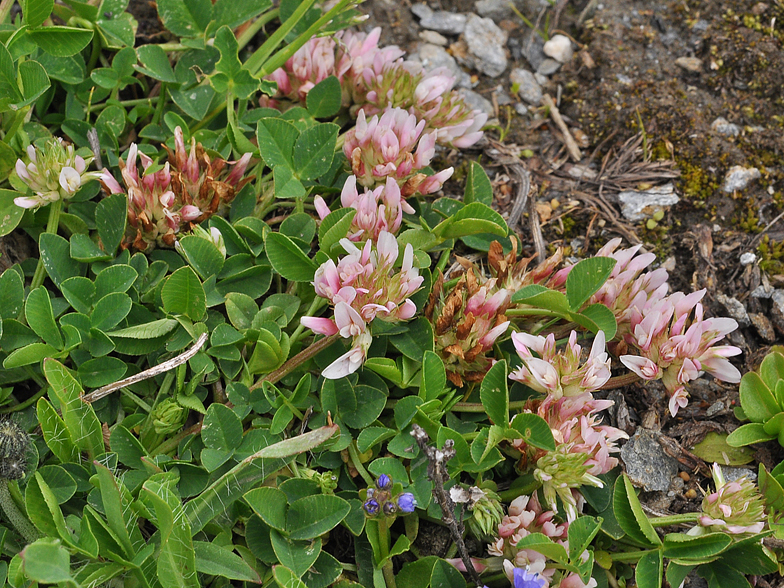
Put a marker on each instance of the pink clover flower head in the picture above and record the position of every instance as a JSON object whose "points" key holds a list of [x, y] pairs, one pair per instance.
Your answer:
{"points": [[357, 51], [627, 285], [559, 373], [735, 507], [675, 343], [55, 172], [467, 321], [378, 210], [393, 145], [311, 64], [574, 422]]}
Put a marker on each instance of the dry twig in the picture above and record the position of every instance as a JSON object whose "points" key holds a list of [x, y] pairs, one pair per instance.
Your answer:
{"points": [[571, 144]]}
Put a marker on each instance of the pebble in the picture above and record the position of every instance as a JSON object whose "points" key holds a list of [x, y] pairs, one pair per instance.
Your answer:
{"points": [[521, 109], [625, 80], [502, 97], [764, 326], [433, 56], [692, 64], [778, 299], [581, 172], [646, 463], [495, 9], [748, 258], [735, 309], [548, 67], [777, 310], [732, 473], [442, 21], [559, 47], [723, 127], [540, 79], [528, 88], [715, 408], [486, 42], [532, 50], [738, 177], [641, 205], [433, 38], [477, 101]]}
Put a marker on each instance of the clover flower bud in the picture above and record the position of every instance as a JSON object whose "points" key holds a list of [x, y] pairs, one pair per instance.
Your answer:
{"points": [[384, 482], [14, 443], [371, 507], [390, 508], [735, 507], [560, 471], [168, 417], [55, 172], [406, 502]]}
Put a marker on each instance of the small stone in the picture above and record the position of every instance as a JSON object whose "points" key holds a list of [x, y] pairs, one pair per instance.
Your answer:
{"points": [[433, 37], [692, 64], [723, 127], [442, 21], [502, 97], [477, 101], [641, 205], [669, 264], [646, 463], [559, 47], [521, 109], [540, 79], [764, 326], [759, 9], [748, 258], [485, 41], [735, 309], [548, 67], [532, 50], [738, 177], [625, 80], [527, 86], [684, 476], [432, 57], [495, 9], [715, 408], [778, 299], [731, 474], [764, 290]]}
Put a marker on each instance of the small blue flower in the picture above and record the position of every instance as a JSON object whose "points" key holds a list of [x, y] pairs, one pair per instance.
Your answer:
{"points": [[406, 502], [371, 507], [384, 482], [525, 579], [390, 508]]}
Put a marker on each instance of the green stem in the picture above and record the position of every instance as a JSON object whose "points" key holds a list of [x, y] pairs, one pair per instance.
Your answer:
{"points": [[173, 47], [158, 114], [208, 118], [532, 312], [22, 405], [15, 516], [442, 261], [357, 463], [477, 407], [629, 556], [19, 119], [125, 103], [55, 208], [531, 486], [296, 361], [254, 28], [689, 517], [384, 543], [317, 303], [95, 53], [255, 61], [171, 444]]}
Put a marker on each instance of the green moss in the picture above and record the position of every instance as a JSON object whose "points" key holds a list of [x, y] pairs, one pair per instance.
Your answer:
{"points": [[771, 255], [749, 219], [695, 182]]}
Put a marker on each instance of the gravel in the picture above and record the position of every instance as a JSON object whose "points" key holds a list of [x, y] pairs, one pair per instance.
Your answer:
{"points": [[485, 41], [646, 463], [528, 88], [442, 21]]}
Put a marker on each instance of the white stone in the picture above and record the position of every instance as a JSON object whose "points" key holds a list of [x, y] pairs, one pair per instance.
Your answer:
{"points": [[637, 206], [559, 48], [748, 258], [738, 177], [433, 38]]}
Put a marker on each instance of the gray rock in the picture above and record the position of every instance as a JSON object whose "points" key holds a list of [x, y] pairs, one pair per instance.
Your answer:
{"points": [[735, 309], [764, 290], [625, 80], [646, 463], [748, 258], [485, 41], [495, 9], [532, 50], [432, 57], [723, 127], [691, 64], [637, 206], [738, 177], [778, 299], [548, 67], [764, 326], [559, 47], [477, 101], [502, 97], [715, 408], [732, 474], [521, 109], [527, 86], [439, 20], [540, 79], [433, 37]]}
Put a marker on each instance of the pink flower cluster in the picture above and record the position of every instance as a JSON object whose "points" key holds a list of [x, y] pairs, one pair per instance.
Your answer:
{"points": [[393, 145], [363, 286], [735, 507], [377, 210], [559, 373], [526, 516], [676, 344], [627, 287]]}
